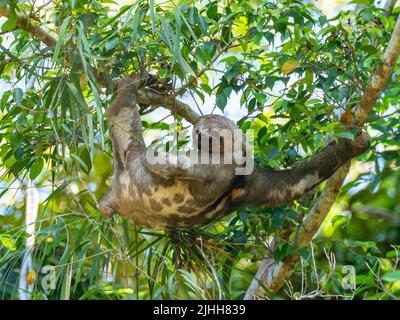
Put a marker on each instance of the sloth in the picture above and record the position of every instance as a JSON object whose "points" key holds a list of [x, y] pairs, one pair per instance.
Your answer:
{"points": [[177, 192]]}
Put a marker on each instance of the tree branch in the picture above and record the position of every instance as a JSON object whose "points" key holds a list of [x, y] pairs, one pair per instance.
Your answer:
{"points": [[392, 217], [151, 97], [145, 96], [274, 275], [25, 24], [389, 6]]}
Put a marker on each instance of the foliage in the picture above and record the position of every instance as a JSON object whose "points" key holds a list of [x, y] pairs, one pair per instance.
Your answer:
{"points": [[298, 75]]}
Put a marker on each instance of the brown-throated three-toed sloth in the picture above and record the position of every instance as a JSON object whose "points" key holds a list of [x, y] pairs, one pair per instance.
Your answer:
{"points": [[179, 193]]}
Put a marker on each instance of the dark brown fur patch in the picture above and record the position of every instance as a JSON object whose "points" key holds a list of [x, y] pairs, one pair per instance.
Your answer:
{"points": [[155, 206], [173, 220], [185, 209], [178, 198], [192, 203], [166, 201]]}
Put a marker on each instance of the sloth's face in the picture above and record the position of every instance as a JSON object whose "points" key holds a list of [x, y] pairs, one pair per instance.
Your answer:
{"points": [[217, 134]]}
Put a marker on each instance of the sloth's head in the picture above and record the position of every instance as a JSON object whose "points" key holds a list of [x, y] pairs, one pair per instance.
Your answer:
{"points": [[217, 134]]}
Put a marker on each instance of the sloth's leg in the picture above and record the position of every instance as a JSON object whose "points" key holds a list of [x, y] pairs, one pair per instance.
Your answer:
{"points": [[125, 128], [106, 205]]}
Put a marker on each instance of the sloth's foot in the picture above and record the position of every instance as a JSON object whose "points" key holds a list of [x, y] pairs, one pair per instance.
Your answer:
{"points": [[106, 207]]}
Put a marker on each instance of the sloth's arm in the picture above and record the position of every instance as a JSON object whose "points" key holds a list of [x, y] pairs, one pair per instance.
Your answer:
{"points": [[125, 129], [124, 123], [277, 187], [181, 166], [167, 164]]}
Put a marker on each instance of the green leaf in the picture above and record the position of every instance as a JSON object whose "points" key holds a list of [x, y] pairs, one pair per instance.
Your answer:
{"points": [[261, 98], [98, 111], [231, 73], [178, 25], [361, 1], [391, 276], [36, 168], [17, 95], [193, 15], [203, 24], [221, 101], [61, 36], [345, 134], [111, 44], [212, 11], [81, 163], [273, 153], [87, 158], [283, 251], [8, 243], [369, 49], [339, 219], [11, 22], [152, 15], [19, 153]]}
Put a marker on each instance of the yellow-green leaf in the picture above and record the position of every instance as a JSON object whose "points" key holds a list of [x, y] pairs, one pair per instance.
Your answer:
{"points": [[8, 243], [289, 65], [83, 81]]}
